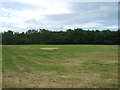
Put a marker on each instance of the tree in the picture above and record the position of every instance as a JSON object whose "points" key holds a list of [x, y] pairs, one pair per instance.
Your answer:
{"points": [[76, 36]]}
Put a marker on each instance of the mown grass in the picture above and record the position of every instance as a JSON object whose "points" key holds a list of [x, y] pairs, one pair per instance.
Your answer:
{"points": [[81, 66], [0, 66]]}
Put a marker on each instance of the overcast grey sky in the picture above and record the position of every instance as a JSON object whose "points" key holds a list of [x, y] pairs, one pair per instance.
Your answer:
{"points": [[57, 15]]}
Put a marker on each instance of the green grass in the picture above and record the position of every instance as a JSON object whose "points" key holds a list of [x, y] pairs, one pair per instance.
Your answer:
{"points": [[81, 66], [0, 66]]}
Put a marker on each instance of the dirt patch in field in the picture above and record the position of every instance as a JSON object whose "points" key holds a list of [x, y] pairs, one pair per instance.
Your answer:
{"points": [[48, 48]]}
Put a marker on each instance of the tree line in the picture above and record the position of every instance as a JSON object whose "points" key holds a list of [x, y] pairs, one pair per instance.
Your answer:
{"points": [[75, 36]]}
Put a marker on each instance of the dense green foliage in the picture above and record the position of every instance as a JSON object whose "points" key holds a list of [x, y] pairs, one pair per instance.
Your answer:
{"points": [[76, 36]]}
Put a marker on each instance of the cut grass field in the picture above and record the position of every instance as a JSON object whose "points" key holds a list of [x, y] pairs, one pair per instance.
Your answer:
{"points": [[68, 66]]}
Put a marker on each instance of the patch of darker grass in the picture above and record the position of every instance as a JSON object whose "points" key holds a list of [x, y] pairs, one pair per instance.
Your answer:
{"points": [[106, 75], [107, 86], [95, 66]]}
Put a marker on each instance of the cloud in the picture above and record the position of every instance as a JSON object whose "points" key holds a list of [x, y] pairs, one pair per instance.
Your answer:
{"points": [[33, 1], [91, 26], [85, 25], [112, 27], [56, 15], [87, 12]]}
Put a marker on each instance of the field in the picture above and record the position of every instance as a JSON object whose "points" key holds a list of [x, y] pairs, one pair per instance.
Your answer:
{"points": [[67, 66]]}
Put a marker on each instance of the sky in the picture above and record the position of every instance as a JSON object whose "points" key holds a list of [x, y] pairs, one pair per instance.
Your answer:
{"points": [[57, 15]]}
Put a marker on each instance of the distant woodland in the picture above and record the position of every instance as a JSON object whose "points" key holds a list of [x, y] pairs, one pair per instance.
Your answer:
{"points": [[76, 36]]}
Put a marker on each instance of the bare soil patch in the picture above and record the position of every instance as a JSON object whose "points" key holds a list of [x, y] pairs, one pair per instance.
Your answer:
{"points": [[48, 48]]}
